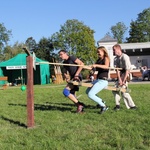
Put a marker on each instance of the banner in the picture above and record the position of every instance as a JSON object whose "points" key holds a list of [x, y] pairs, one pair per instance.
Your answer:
{"points": [[15, 67], [34, 61]]}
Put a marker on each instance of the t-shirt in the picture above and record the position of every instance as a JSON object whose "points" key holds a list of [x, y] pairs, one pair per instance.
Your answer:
{"points": [[123, 62], [71, 69], [101, 72]]}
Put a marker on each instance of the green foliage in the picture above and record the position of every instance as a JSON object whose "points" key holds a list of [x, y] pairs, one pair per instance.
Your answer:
{"points": [[11, 51], [4, 36], [77, 39], [85, 73], [118, 31], [140, 29], [31, 44], [58, 127], [44, 49]]}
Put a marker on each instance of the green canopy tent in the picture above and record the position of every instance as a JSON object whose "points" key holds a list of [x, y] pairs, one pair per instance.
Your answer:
{"points": [[15, 68], [1, 75]]}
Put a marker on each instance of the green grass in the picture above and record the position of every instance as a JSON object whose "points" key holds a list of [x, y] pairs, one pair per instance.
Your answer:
{"points": [[58, 127]]}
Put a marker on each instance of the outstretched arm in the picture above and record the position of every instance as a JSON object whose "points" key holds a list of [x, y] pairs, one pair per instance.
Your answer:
{"points": [[105, 66]]}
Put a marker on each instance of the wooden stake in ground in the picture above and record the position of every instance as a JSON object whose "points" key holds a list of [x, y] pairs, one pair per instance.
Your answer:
{"points": [[30, 101]]}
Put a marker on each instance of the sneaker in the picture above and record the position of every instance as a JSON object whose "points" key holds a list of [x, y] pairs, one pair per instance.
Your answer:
{"points": [[103, 109], [117, 107], [80, 108]]}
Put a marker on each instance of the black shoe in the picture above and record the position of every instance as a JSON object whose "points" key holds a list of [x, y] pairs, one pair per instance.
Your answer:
{"points": [[82, 104], [103, 109], [134, 107], [117, 107]]}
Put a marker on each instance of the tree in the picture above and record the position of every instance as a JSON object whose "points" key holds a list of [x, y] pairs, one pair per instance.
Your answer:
{"points": [[44, 49], [77, 39], [140, 29], [4, 36], [118, 31], [11, 51], [31, 44]]}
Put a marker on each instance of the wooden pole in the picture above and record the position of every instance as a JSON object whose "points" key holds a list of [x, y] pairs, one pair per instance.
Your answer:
{"points": [[84, 66], [30, 101]]}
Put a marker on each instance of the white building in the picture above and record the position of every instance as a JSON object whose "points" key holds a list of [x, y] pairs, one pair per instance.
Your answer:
{"points": [[139, 53]]}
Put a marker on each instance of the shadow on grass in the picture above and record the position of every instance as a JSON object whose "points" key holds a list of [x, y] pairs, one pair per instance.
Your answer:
{"points": [[54, 106], [47, 106], [14, 122], [63, 104], [23, 105], [44, 107], [72, 105]]}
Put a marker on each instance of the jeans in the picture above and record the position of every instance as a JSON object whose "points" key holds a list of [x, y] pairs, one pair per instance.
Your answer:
{"points": [[98, 85]]}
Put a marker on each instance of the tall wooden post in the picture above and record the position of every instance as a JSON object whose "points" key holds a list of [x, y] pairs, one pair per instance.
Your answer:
{"points": [[30, 100]]}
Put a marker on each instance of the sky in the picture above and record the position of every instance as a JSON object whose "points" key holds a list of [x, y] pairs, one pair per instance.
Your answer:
{"points": [[42, 18]]}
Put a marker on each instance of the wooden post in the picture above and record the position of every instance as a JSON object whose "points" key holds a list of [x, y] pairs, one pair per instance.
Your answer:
{"points": [[30, 100]]}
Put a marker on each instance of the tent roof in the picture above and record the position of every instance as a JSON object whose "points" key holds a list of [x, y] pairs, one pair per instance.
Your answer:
{"points": [[18, 60]]}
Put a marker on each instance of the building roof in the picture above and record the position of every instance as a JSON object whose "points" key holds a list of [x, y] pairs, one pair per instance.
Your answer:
{"points": [[107, 38], [135, 45]]}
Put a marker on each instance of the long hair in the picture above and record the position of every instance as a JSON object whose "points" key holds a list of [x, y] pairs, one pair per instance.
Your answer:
{"points": [[104, 50]]}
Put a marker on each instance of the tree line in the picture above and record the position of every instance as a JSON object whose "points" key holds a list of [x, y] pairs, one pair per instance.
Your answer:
{"points": [[77, 38]]}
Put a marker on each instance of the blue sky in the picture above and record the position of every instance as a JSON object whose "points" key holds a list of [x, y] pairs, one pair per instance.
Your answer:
{"points": [[42, 18]]}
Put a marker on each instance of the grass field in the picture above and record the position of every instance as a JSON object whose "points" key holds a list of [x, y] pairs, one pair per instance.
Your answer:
{"points": [[58, 127]]}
